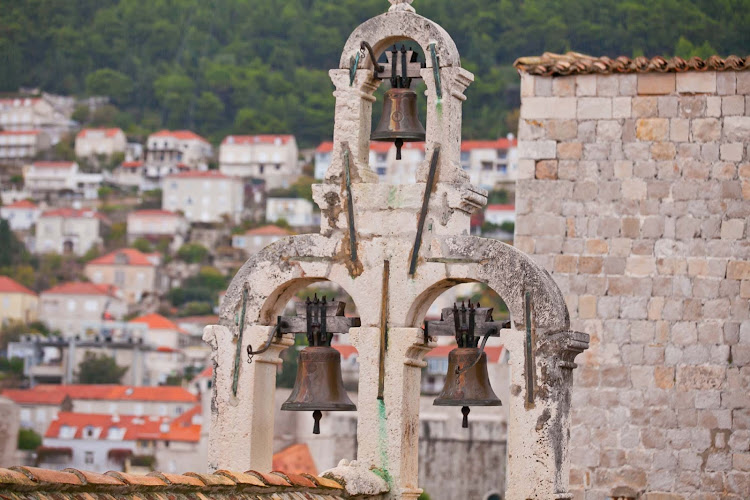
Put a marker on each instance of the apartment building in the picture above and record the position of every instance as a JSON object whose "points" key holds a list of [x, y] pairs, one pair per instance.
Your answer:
{"points": [[61, 179], [21, 215], [69, 230], [96, 142], [72, 306], [208, 196], [254, 240], [154, 225], [297, 212], [174, 147], [48, 113], [17, 146], [272, 158], [127, 269], [17, 303]]}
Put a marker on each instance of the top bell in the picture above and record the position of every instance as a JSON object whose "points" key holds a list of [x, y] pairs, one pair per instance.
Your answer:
{"points": [[399, 122]]}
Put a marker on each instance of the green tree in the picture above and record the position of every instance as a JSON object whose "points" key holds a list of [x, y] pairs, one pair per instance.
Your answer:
{"points": [[192, 253], [28, 439], [175, 94], [143, 245], [109, 82], [99, 369]]}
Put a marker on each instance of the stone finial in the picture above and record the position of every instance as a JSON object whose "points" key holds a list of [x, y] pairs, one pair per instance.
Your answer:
{"points": [[401, 5]]}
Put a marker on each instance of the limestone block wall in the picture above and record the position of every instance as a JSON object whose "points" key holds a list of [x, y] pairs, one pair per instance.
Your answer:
{"points": [[634, 192]]}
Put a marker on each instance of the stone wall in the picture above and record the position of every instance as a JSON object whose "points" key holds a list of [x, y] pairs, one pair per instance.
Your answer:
{"points": [[634, 193]]}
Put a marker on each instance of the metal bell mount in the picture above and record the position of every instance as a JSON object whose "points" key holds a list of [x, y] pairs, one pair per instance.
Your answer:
{"points": [[467, 382]]}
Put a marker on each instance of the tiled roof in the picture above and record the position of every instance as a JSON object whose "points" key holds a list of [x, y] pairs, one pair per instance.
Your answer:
{"points": [[108, 132], [43, 392], [131, 164], [136, 427], [257, 139], [501, 143], [345, 350], [501, 207], [324, 147], [22, 204], [72, 213], [130, 256], [183, 135], [8, 285], [81, 288], [53, 164], [32, 483], [268, 230], [156, 322], [573, 63], [20, 132], [31, 397], [442, 351], [19, 101], [197, 174], [153, 213], [295, 458]]}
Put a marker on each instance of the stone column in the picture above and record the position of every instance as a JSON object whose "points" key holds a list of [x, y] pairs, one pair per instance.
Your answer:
{"points": [[388, 429], [242, 426], [353, 121]]}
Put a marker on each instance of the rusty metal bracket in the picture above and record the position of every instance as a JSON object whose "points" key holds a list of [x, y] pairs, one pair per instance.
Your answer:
{"points": [[350, 206], [529, 351], [423, 212], [383, 327], [378, 67], [241, 324], [275, 332]]}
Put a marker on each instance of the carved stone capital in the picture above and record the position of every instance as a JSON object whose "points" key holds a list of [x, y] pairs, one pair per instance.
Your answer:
{"points": [[401, 5]]}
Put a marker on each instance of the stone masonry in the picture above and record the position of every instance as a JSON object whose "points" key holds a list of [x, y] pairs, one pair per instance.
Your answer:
{"points": [[634, 192]]}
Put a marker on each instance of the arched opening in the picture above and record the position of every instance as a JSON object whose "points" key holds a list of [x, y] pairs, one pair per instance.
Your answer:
{"points": [[482, 447], [295, 446]]}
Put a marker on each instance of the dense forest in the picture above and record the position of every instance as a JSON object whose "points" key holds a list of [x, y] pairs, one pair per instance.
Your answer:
{"points": [[254, 66]]}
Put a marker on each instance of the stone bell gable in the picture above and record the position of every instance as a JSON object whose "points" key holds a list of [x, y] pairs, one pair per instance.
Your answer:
{"points": [[394, 249], [634, 192]]}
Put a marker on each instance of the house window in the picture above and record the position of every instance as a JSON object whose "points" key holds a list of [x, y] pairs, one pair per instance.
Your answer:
{"points": [[503, 169], [91, 306], [381, 171], [119, 278], [487, 165], [71, 305], [502, 154], [89, 457]]}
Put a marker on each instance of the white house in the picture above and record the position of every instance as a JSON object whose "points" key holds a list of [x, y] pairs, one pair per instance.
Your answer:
{"points": [[298, 212], [21, 215], [69, 230], [490, 163], [154, 225], [204, 196], [70, 306], [273, 158], [22, 145], [49, 113], [61, 177], [254, 240], [93, 142], [498, 214], [174, 147]]}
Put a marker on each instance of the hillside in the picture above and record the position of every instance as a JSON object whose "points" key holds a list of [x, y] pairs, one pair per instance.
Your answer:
{"points": [[253, 66]]}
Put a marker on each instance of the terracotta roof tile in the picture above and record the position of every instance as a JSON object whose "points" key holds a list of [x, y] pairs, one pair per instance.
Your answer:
{"points": [[131, 164], [47, 476], [501, 143], [441, 351], [294, 458], [94, 478], [156, 322], [269, 479], [154, 213], [20, 132], [256, 139], [177, 479], [212, 479], [296, 479], [198, 174], [29, 396], [241, 477], [9, 285], [81, 288], [573, 63], [72, 213], [506, 207], [268, 230], [53, 164], [108, 132], [109, 392], [13, 477], [22, 204], [128, 257], [183, 135], [137, 480], [323, 482]]}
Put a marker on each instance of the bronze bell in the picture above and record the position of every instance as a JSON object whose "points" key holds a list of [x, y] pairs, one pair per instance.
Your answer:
{"points": [[319, 386], [399, 122], [467, 383]]}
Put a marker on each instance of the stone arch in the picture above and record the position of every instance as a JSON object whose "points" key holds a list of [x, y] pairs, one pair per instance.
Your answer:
{"points": [[388, 28]]}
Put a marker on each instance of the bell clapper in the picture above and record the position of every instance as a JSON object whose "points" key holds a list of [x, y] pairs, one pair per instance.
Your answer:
{"points": [[398, 143], [465, 422], [317, 415]]}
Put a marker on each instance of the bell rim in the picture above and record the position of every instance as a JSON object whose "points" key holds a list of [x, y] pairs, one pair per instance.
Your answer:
{"points": [[467, 402], [321, 407], [381, 137]]}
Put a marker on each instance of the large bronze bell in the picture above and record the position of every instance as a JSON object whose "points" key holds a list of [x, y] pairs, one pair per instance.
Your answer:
{"points": [[399, 122], [467, 383], [319, 386]]}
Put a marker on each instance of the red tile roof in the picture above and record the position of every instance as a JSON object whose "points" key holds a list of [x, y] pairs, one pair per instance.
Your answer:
{"points": [[345, 350], [156, 322], [501, 207], [24, 101], [502, 143], [22, 204], [72, 213], [108, 132], [131, 164], [30, 396], [441, 351], [136, 427], [183, 135], [154, 213], [8, 285], [53, 164], [295, 459], [573, 63], [169, 394], [324, 147], [198, 174], [257, 139], [131, 257], [81, 288], [20, 132], [268, 230]]}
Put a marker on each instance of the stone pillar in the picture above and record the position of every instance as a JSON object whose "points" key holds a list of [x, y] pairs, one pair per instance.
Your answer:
{"points": [[9, 424], [388, 429], [242, 426]]}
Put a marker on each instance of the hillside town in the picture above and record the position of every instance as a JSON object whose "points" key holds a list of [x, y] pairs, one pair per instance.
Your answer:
{"points": [[117, 251]]}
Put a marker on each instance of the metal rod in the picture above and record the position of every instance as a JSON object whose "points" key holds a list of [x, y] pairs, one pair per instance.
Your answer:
{"points": [[379, 68], [238, 351], [383, 327], [276, 331], [423, 212], [529, 354], [350, 206], [436, 71], [354, 63]]}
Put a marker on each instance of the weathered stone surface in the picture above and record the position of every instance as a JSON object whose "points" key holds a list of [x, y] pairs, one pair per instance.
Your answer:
{"points": [[656, 83], [652, 129], [693, 82]]}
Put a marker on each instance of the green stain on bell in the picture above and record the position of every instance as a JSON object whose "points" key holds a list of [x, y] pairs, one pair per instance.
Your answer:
{"points": [[383, 442]]}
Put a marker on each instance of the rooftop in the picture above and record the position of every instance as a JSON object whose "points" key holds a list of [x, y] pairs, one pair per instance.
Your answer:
{"points": [[53, 164], [153, 213], [198, 174], [268, 230], [183, 135], [73, 213], [156, 322], [573, 63], [20, 132], [48, 393], [125, 257], [69, 425], [81, 288], [257, 139], [22, 204], [107, 132], [9, 285]]}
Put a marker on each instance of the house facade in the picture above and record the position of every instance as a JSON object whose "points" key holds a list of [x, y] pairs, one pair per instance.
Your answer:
{"points": [[490, 163], [48, 113], [70, 306], [128, 269], [154, 225], [174, 147], [272, 158], [253, 240], [21, 215], [17, 303], [61, 178], [298, 212], [69, 230], [22, 145], [95, 142], [208, 196]]}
